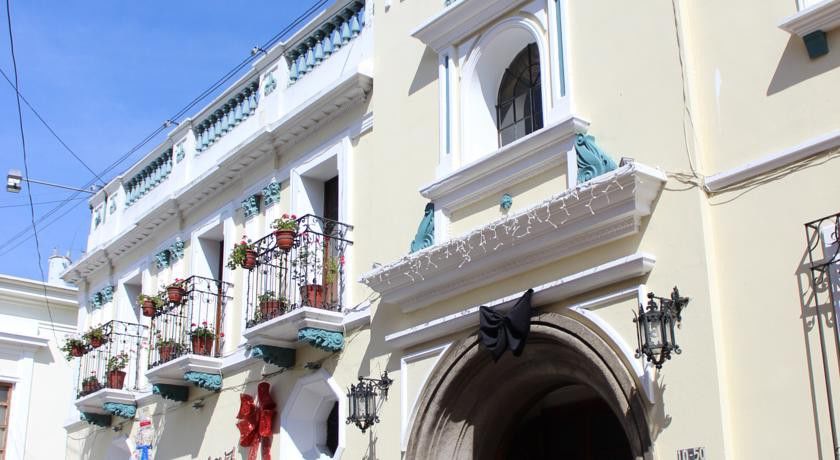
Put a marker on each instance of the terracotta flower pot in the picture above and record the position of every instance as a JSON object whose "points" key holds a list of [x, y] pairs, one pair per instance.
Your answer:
{"points": [[91, 387], [77, 351], [250, 259], [116, 378], [312, 295], [285, 239], [166, 352], [270, 309], [96, 342], [149, 308], [175, 294], [202, 344]]}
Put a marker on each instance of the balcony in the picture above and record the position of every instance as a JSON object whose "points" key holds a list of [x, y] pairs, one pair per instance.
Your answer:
{"points": [[295, 292], [186, 337], [109, 373]]}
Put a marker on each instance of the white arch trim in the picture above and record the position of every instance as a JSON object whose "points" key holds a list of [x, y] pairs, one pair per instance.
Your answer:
{"points": [[302, 431]]}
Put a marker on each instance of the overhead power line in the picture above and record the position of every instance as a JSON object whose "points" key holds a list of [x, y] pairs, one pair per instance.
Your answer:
{"points": [[25, 234]]}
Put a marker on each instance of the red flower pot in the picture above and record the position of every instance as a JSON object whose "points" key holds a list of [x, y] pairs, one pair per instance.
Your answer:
{"points": [[149, 308], [116, 378], [250, 259], [202, 344], [312, 295], [77, 351], [270, 308], [96, 342], [91, 387], [175, 294], [166, 353], [285, 239]]}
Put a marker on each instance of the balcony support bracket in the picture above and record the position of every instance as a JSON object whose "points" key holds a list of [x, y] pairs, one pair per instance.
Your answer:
{"points": [[171, 392], [278, 356], [212, 382], [324, 340], [120, 410], [103, 420]]}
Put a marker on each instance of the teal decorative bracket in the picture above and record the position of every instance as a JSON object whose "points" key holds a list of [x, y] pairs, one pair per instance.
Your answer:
{"points": [[251, 206], [271, 193], [179, 152], [204, 380], [425, 236], [171, 392], [278, 356], [120, 410], [176, 250], [269, 84], [162, 259], [107, 294], [591, 160], [324, 340], [506, 202], [103, 420]]}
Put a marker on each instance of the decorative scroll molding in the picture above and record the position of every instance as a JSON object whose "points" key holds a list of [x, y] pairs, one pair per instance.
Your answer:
{"points": [[211, 382], [251, 206], [171, 392], [103, 420], [227, 116], [99, 298], [425, 236], [591, 160], [277, 356], [148, 178], [271, 193], [162, 259], [120, 410], [325, 340], [107, 293], [333, 33], [176, 250]]}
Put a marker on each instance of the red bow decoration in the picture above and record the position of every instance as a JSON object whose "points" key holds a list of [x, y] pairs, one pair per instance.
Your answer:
{"points": [[255, 423]]}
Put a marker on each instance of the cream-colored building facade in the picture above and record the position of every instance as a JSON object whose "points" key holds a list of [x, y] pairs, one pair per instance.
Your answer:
{"points": [[720, 131]]}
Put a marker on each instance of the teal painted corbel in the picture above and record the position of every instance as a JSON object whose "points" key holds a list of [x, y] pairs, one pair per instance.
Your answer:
{"points": [[278, 356], [120, 410], [171, 392], [591, 160], [103, 420], [425, 236], [204, 380], [506, 202], [324, 340], [271, 193]]}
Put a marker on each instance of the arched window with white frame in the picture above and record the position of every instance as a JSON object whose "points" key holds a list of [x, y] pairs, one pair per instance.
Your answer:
{"points": [[519, 104]]}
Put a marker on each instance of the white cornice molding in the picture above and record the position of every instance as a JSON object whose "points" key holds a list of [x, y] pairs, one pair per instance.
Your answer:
{"points": [[566, 287], [94, 402], [594, 213], [774, 161], [507, 166], [460, 20], [21, 341], [298, 124], [172, 372], [823, 16]]}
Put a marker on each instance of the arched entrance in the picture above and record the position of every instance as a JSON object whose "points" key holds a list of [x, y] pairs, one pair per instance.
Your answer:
{"points": [[567, 385]]}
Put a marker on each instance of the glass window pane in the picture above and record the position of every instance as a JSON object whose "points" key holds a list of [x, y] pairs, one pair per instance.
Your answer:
{"points": [[507, 135], [4, 394], [522, 107], [505, 115], [3, 411]]}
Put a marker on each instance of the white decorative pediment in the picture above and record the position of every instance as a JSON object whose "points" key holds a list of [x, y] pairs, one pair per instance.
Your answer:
{"points": [[460, 20], [592, 214]]}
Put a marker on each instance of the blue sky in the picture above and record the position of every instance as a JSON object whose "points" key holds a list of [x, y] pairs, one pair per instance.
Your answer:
{"points": [[105, 74]]}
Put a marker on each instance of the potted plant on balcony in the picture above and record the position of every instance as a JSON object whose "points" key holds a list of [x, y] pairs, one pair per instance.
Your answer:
{"points": [[202, 338], [311, 293], [74, 348], [114, 367], [285, 230], [271, 305], [149, 305], [167, 348], [90, 384], [95, 337], [242, 255], [175, 292]]}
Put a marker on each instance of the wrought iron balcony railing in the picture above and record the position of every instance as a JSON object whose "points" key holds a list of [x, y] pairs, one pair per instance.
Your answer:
{"points": [[307, 273], [190, 321], [115, 362]]}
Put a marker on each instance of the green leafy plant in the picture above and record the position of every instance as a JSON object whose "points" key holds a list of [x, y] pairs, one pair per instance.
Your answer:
{"points": [[237, 255], [73, 348], [90, 380], [168, 343], [117, 362], [285, 222], [95, 333], [157, 301], [331, 269], [268, 296], [205, 330]]}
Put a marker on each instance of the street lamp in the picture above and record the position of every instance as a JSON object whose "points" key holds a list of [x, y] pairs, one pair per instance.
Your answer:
{"points": [[655, 327], [14, 180], [362, 400]]}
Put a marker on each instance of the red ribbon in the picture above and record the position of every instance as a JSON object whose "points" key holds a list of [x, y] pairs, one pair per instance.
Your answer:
{"points": [[255, 423]]}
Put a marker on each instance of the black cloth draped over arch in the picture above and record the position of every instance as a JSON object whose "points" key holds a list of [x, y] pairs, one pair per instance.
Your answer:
{"points": [[500, 332]]}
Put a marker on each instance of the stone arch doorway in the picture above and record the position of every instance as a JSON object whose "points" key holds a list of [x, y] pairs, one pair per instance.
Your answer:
{"points": [[473, 408]]}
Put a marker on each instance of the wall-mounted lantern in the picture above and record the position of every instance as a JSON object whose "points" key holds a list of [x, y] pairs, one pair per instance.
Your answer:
{"points": [[655, 327], [362, 400]]}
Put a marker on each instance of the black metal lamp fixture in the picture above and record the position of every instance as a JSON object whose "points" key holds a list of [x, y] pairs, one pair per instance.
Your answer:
{"points": [[362, 400], [655, 327]]}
